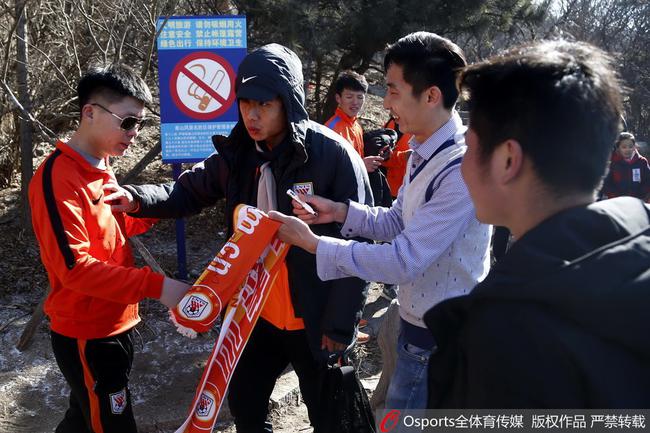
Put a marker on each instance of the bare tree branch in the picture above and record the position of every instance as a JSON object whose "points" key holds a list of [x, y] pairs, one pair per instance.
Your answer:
{"points": [[44, 129], [8, 45]]}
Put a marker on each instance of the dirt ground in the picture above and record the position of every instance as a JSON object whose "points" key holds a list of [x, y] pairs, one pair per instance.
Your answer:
{"points": [[167, 367]]}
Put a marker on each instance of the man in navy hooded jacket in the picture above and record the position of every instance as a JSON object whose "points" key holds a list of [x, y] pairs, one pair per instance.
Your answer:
{"points": [[274, 147]]}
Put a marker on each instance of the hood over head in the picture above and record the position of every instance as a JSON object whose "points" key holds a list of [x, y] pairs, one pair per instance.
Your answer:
{"points": [[268, 72]]}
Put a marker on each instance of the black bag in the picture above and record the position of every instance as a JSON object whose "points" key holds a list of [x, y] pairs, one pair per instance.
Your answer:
{"points": [[375, 141], [344, 404]]}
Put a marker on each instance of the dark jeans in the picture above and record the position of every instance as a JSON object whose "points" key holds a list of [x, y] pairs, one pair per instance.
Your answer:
{"points": [[268, 352], [98, 374]]}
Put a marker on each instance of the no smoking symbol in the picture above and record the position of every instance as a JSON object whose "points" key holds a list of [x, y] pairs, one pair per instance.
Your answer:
{"points": [[201, 85]]}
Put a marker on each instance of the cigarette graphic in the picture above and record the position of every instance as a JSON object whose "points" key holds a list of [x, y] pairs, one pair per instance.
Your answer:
{"points": [[194, 90]]}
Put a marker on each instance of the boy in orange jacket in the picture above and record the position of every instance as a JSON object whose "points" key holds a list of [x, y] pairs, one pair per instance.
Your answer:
{"points": [[351, 89], [93, 304]]}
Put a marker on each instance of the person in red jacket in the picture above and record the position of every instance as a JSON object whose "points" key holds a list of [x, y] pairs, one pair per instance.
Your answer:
{"points": [[629, 173], [95, 288], [396, 164]]}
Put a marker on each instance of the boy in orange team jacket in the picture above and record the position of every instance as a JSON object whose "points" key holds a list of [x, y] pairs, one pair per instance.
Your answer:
{"points": [[351, 89], [93, 304]]}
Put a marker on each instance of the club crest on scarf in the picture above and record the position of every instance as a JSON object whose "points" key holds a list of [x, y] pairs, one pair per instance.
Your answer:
{"points": [[195, 306], [205, 406]]}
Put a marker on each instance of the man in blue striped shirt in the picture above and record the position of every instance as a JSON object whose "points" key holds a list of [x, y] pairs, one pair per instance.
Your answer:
{"points": [[436, 247]]}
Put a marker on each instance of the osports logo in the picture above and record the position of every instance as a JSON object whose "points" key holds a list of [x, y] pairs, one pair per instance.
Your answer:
{"points": [[390, 421]]}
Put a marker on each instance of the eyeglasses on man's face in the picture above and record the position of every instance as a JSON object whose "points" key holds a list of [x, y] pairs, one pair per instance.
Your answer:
{"points": [[126, 123]]}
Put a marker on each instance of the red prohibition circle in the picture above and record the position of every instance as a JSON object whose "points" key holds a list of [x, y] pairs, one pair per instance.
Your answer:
{"points": [[181, 68]]}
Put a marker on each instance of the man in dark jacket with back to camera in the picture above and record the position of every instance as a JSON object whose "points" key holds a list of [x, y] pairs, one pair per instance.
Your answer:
{"points": [[561, 321], [274, 147]]}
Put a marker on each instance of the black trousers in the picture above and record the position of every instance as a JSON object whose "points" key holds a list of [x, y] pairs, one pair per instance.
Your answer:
{"points": [[98, 374], [268, 352]]}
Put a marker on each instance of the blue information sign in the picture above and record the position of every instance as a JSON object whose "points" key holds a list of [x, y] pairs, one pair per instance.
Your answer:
{"points": [[197, 63]]}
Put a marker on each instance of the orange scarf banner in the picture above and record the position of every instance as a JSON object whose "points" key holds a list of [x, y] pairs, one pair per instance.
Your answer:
{"points": [[241, 274]]}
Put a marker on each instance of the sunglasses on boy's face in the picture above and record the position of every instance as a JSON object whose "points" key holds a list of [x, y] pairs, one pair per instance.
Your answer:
{"points": [[126, 123]]}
